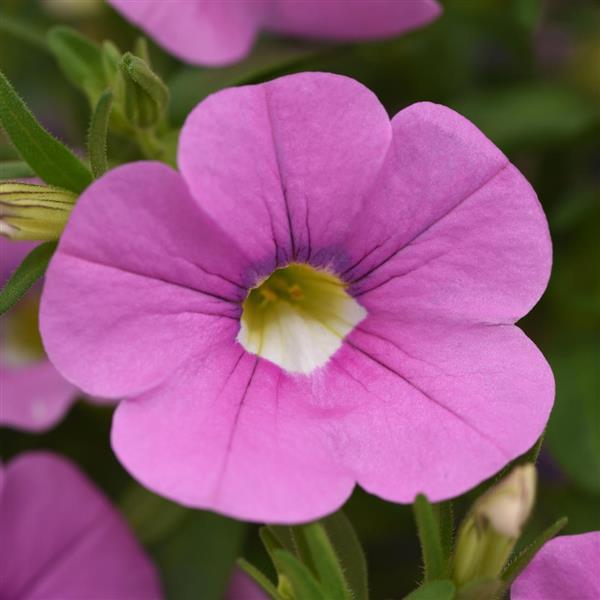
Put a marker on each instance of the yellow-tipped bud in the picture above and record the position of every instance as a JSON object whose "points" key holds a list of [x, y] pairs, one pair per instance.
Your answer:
{"points": [[490, 531], [33, 212], [508, 504]]}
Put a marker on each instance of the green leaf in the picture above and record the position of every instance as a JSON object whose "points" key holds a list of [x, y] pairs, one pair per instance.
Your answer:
{"points": [[31, 269], [51, 160], [304, 585], [325, 560], [516, 566], [429, 535], [98, 134], [80, 60], [440, 589], [15, 169], [260, 578]]}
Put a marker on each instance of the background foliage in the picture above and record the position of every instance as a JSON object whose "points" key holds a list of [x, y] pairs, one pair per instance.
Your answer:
{"points": [[527, 72]]}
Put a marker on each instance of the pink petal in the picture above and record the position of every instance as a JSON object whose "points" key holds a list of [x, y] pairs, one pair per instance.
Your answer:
{"points": [[454, 230], [62, 539], [217, 33], [285, 166], [349, 19], [34, 397], [226, 435], [155, 275], [200, 31], [566, 568], [436, 408]]}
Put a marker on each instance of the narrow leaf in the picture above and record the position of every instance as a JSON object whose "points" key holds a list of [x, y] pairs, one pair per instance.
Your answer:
{"points": [[516, 566], [326, 562], [304, 585], [50, 159], [441, 589], [30, 270], [486, 588], [283, 534], [15, 169], [429, 536], [98, 134], [259, 577], [349, 552]]}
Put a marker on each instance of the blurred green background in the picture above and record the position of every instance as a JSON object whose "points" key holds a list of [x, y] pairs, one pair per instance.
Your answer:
{"points": [[527, 72]]}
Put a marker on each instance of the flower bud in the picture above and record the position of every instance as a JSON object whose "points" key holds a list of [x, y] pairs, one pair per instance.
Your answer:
{"points": [[493, 525], [146, 96], [508, 504], [33, 212]]}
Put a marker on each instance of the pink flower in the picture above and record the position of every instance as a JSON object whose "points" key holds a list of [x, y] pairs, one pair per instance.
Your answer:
{"points": [[566, 568], [61, 538], [216, 33], [382, 350], [34, 396]]}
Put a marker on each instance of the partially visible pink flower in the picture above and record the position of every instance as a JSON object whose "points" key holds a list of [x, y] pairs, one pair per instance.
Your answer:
{"points": [[321, 297], [62, 539], [216, 33], [242, 587], [566, 568], [33, 395]]}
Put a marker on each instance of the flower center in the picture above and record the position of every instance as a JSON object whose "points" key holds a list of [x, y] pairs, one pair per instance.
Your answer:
{"points": [[298, 317]]}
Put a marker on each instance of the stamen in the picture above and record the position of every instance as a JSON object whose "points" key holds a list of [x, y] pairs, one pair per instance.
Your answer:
{"points": [[298, 318]]}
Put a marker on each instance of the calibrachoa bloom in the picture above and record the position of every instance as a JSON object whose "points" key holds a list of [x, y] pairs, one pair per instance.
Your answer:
{"points": [[566, 568], [61, 538], [33, 395], [321, 297], [216, 33]]}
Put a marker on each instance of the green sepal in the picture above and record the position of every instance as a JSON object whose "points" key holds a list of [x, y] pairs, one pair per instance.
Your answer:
{"points": [[30, 270], [326, 562], [98, 134], [434, 561], [302, 582], [440, 589], [49, 159]]}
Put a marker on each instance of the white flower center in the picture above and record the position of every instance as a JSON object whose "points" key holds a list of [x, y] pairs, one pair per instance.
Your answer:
{"points": [[298, 317]]}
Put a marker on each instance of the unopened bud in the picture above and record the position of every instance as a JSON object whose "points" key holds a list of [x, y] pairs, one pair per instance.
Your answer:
{"points": [[508, 504], [33, 212], [492, 527], [146, 96]]}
